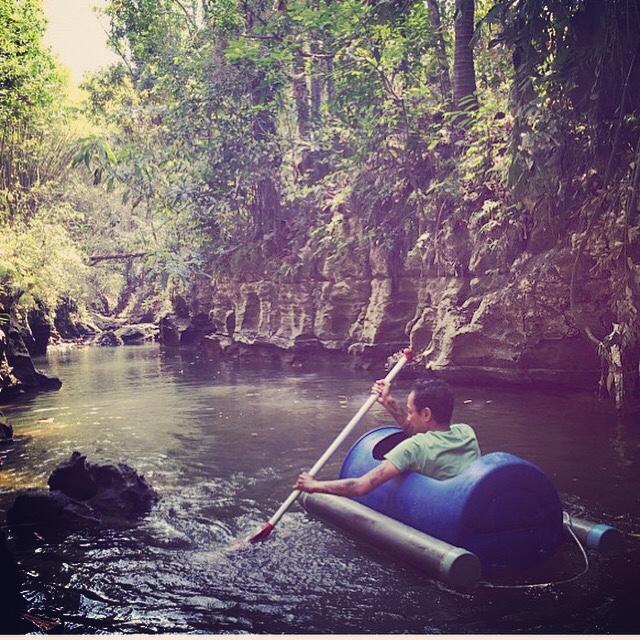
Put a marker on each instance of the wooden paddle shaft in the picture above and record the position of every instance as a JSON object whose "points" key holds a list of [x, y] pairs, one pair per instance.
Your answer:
{"points": [[406, 356]]}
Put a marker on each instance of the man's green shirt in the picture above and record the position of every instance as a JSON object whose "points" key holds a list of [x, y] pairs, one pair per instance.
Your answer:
{"points": [[437, 454]]}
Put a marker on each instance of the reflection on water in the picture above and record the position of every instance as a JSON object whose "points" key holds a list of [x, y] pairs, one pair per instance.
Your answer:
{"points": [[222, 442]]}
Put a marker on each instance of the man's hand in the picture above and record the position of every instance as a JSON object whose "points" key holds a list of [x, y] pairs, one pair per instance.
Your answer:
{"points": [[383, 390], [305, 482], [349, 487]]}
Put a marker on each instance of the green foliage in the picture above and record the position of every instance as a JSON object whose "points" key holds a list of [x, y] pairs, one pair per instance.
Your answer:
{"points": [[109, 92], [576, 90], [265, 137], [46, 223], [40, 260], [205, 135], [94, 151], [28, 76], [32, 144], [234, 129]]}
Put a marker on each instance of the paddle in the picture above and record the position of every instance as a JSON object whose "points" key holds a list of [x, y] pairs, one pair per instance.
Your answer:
{"points": [[271, 523]]}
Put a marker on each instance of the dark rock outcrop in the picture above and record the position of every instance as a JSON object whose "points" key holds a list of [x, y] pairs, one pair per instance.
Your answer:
{"points": [[170, 329], [178, 329], [111, 489], [41, 331], [68, 323], [51, 512], [64, 321], [84, 495], [17, 372], [12, 603], [108, 339], [137, 333], [9, 385], [22, 368], [6, 430]]}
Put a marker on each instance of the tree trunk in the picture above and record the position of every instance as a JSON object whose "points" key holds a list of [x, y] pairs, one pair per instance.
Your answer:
{"points": [[265, 204], [301, 92], [299, 81], [265, 208], [93, 260], [464, 75], [330, 85], [316, 83], [441, 54]]}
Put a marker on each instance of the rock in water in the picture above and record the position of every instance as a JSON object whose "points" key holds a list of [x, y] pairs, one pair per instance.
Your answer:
{"points": [[109, 339], [73, 478], [137, 333], [84, 495], [50, 512], [113, 490]]}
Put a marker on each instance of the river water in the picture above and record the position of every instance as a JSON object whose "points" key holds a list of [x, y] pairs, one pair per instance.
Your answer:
{"points": [[222, 441]]}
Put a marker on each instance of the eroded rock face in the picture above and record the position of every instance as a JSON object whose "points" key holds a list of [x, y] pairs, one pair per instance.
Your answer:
{"points": [[483, 312], [68, 324], [41, 330], [515, 327], [21, 366], [84, 495], [9, 385], [185, 327]]}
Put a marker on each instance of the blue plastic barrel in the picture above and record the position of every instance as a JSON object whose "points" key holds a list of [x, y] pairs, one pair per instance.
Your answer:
{"points": [[502, 508]]}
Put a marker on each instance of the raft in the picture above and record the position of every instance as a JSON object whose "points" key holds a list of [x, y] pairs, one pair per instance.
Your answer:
{"points": [[501, 508]]}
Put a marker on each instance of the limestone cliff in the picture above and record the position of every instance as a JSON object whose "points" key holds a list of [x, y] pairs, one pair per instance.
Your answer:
{"points": [[481, 313]]}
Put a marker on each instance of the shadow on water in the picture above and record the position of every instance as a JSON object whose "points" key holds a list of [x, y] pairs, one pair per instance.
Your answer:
{"points": [[222, 443]]}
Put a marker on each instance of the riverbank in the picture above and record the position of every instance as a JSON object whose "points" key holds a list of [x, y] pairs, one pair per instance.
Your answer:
{"points": [[28, 334], [277, 320]]}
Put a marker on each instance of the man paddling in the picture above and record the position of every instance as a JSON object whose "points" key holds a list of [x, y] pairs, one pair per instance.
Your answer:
{"points": [[434, 446]]}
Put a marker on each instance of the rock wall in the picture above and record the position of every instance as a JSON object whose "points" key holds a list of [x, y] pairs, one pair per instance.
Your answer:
{"points": [[481, 314], [19, 341]]}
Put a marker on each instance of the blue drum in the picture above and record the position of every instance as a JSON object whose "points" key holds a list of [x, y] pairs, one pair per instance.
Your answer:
{"points": [[502, 508]]}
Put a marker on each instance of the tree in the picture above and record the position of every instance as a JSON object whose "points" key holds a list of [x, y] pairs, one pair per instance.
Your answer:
{"points": [[464, 75], [29, 84], [443, 66]]}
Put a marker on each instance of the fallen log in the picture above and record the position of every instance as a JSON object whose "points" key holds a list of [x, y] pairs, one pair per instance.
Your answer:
{"points": [[93, 260]]}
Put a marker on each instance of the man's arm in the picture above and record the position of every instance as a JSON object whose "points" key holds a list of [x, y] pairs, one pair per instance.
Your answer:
{"points": [[383, 390], [349, 487]]}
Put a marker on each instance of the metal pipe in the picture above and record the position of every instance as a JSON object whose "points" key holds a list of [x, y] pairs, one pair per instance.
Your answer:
{"points": [[455, 566], [600, 537]]}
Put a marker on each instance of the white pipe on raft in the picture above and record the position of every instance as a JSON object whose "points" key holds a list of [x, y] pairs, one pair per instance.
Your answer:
{"points": [[455, 566]]}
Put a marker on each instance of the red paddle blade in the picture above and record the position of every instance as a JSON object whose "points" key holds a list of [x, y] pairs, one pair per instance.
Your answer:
{"points": [[44, 624], [261, 535]]}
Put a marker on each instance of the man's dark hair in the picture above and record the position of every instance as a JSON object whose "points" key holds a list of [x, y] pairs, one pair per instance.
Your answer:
{"points": [[437, 395]]}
